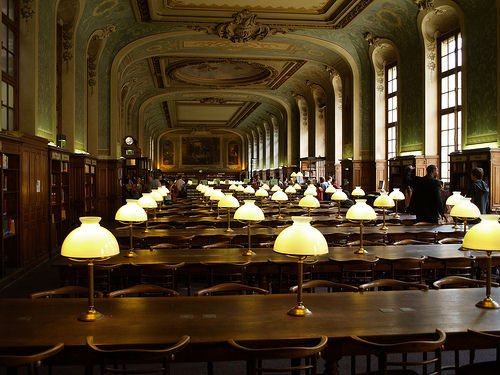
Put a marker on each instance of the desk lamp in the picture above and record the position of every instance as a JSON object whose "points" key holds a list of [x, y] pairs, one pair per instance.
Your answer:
{"points": [[484, 237], [397, 195], [464, 210], [164, 191], [383, 201], [360, 213], [249, 190], [239, 190], [148, 203], [330, 190], [311, 190], [216, 196], [451, 201], [358, 192], [207, 193], [309, 202], [203, 189], [249, 213], [293, 175], [228, 202], [90, 243], [275, 188], [232, 187], [265, 187], [300, 240], [155, 194], [279, 196], [339, 196], [297, 187], [299, 175], [131, 213], [261, 193], [290, 190]]}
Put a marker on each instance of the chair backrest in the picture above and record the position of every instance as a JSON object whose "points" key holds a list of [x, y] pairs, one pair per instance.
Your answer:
{"points": [[391, 284], [382, 349], [160, 274], [450, 240], [142, 290], [356, 271], [365, 243], [406, 269], [32, 361], [65, 291], [111, 357], [460, 282], [329, 285], [488, 340], [307, 349], [411, 242], [230, 288]]}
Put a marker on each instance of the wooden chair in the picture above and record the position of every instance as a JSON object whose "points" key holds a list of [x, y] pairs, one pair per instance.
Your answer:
{"points": [[230, 288], [143, 290], [163, 275], [329, 285], [226, 272], [483, 368], [365, 242], [460, 282], [31, 361], [411, 242], [337, 239], [450, 240], [287, 274], [65, 291], [307, 350], [111, 358], [106, 277], [180, 242], [390, 284], [382, 349], [406, 269], [356, 271], [459, 266]]}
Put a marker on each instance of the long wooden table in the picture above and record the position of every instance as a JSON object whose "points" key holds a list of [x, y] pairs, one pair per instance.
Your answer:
{"points": [[211, 321]]}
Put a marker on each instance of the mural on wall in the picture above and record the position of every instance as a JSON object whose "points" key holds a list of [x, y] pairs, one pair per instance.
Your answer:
{"points": [[233, 153], [167, 153], [200, 150]]}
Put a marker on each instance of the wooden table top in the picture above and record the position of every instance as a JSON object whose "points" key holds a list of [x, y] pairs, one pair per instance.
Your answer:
{"points": [[212, 320]]}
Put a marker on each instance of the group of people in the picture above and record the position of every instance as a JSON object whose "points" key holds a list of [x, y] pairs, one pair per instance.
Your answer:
{"points": [[426, 199], [133, 187]]}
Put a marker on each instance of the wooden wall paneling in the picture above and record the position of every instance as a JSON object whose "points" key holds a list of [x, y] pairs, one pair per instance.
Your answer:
{"points": [[495, 181], [363, 174], [114, 187], [381, 173], [102, 188]]}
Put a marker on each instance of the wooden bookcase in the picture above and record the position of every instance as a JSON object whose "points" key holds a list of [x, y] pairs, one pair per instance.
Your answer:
{"points": [[462, 163], [83, 171], [397, 170], [347, 182], [313, 167], [10, 199], [59, 196], [137, 167]]}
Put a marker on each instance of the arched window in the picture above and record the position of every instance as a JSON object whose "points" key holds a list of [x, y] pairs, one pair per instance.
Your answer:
{"points": [[391, 109], [450, 98], [10, 46]]}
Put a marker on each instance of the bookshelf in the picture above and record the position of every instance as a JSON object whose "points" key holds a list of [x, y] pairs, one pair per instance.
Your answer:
{"points": [[462, 163], [137, 167], [59, 196], [10, 198], [347, 182], [397, 169], [83, 186], [313, 167]]}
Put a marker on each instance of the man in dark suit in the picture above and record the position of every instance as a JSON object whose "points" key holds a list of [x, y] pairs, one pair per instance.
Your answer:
{"points": [[425, 201]]}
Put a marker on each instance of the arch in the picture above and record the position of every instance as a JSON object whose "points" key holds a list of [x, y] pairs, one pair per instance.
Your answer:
{"points": [[303, 125], [320, 111], [275, 141], [268, 146]]}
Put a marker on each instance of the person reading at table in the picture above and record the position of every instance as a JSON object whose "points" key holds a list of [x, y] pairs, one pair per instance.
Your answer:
{"points": [[425, 201]]}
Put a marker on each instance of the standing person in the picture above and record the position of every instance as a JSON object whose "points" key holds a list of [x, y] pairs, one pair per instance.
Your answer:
{"points": [[179, 185], [155, 183], [147, 186], [479, 191], [426, 198]]}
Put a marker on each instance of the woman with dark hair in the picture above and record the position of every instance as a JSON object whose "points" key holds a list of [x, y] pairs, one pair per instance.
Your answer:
{"points": [[479, 191]]}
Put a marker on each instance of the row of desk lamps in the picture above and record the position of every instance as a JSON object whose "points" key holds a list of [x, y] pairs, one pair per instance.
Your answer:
{"points": [[90, 242]]}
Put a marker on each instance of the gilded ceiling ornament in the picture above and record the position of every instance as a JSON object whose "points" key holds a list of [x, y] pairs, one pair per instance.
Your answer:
{"points": [[67, 43], [425, 4], [371, 38], [95, 44], [242, 28], [212, 100], [27, 9]]}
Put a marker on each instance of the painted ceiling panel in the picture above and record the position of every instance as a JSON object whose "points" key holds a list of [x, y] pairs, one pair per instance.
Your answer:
{"points": [[205, 112]]}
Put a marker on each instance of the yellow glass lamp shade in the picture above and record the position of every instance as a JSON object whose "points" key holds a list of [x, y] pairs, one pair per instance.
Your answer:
{"points": [[208, 192], [163, 191], [397, 195], [147, 201], [361, 211], [484, 236], [311, 191], [211, 182], [279, 195], [465, 209], [293, 175], [90, 241], [232, 187], [249, 190], [358, 192], [339, 195], [190, 182], [249, 212], [330, 189], [156, 195], [228, 201], [265, 187], [290, 190], [297, 187], [203, 189], [261, 193], [217, 195], [131, 212], [454, 198], [275, 188], [299, 174], [240, 188], [384, 201], [309, 201], [198, 187], [301, 239]]}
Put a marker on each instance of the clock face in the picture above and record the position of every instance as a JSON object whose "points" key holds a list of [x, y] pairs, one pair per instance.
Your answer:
{"points": [[129, 141]]}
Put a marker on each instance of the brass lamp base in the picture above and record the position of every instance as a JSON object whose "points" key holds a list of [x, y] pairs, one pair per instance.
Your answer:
{"points": [[383, 227], [248, 252], [299, 310], [229, 230], [131, 253], [488, 303], [90, 316], [360, 251]]}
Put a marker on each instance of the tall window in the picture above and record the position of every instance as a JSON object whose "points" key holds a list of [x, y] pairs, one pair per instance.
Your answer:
{"points": [[450, 99], [391, 101], [10, 36]]}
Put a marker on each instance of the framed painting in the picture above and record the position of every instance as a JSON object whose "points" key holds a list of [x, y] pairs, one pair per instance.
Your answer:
{"points": [[167, 153], [233, 153], [200, 150]]}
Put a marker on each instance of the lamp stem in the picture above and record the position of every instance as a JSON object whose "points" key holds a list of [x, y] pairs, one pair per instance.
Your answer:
{"points": [[488, 303], [396, 204], [130, 253], [465, 226], [249, 252], [383, 215], [300, 309], [279, 210], [339, 216], [361, 250], [228, 220], [91, 314], [308, 211], [147, 229], [218, 216], [456, 223]]}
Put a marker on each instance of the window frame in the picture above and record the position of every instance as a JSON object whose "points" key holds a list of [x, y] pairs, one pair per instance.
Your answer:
{"points": [[386, 101]]}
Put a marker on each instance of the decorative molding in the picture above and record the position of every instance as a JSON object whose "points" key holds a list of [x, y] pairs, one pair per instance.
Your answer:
{"points": [[332, 72], [67, 43], [27, 11], [104, 33], [371, 38], [95, 44], [425, 4], [353, 13], [431, 55], [379, 81], [212, 100], [243, 28]]}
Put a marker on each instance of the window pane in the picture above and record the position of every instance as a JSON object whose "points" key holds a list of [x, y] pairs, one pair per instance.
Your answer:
{"points": [[451, 99], [10, 41], [11, 96], [11, 10], [11, 119], [4, 93], [444, 139], [4, 118], [10, 64]]}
